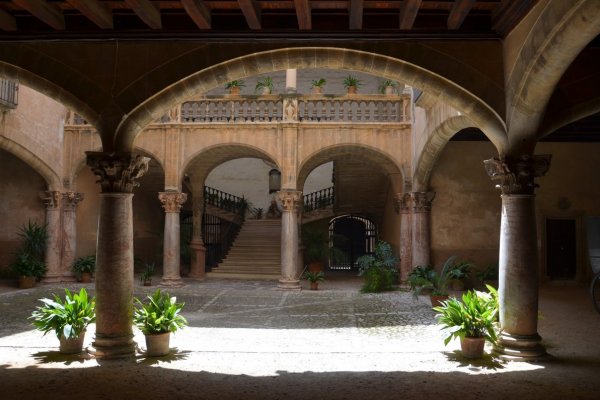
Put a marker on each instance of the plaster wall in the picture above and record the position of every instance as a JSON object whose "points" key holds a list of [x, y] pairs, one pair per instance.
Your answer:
{"points": [[20, 203]]}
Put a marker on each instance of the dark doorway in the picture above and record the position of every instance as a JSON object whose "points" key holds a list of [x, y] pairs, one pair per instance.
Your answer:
{"points": [[354, 236], [561, 249]]}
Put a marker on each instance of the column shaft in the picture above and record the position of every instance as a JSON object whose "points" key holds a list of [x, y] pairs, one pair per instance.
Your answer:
{"points": [[290, 202], [421, 247], [69, 248], [172, 202], [53, 241], [198, 266]]}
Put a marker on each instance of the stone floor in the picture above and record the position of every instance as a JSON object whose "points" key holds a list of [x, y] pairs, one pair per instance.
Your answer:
{"points": [[248, 340]]}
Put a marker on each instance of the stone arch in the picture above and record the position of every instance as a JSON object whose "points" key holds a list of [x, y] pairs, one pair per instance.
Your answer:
{"points": [[37, 164], [486, 118], [374, 156], [434, 146]]}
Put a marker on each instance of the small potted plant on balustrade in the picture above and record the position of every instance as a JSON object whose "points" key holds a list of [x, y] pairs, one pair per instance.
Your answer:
{"points": [[84, 267], [68, 318], [264, 86], [351, 84], [235, 87], [317, 85], [387, 87]]}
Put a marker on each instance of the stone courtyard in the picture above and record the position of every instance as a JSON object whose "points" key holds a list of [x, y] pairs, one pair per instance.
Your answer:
{"points": [[249, 340]]}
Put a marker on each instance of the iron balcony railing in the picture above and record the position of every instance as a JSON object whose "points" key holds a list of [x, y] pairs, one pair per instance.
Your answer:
{"points": [[319, 199], [225, 201], [9, 93]]}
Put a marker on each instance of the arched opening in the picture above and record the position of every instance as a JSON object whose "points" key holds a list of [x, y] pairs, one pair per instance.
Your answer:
{"points": [[351, 236]]}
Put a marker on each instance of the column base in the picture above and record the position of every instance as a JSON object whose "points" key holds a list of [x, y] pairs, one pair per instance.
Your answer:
{"points": [[289, 284], [51, 278], [520, 347], [112, 347], [172, 282]]}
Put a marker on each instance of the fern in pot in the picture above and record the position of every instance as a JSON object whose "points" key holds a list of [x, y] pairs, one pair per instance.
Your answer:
{"points": [[68, 318], [157, 318]]}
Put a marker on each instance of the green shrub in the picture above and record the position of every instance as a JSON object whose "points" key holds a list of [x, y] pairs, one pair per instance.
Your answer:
{"points": [[379, 269], [159, 315]]}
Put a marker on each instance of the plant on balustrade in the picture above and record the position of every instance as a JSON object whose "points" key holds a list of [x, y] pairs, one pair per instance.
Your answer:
{"points": [[234, 87], [351, 83], [264, 85], [387, 87], [317, 85]]}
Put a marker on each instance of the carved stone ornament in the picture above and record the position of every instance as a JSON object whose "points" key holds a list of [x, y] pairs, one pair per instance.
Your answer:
{"points": [[290, 109], [172, 201], [117, 172], [422, 201], [51, 198], [516, 175], [71, 199], [290, 200], [402, 202]]}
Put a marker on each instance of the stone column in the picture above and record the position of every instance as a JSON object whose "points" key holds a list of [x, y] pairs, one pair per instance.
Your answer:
{"points": [[518, 262], [117, 173], [70, 201], [403, 201], [198, 267], [290, 81], [53, 242], [172, 202], [421, 246], [290, 203]]}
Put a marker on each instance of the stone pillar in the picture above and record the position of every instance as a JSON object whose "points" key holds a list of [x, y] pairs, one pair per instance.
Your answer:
{"points": [[518, 262], [117, 173], [290, 81], [53, 242], [403, 201], [290, 203], [198, 267], [70, 201], [172, 202], [421, 247]]}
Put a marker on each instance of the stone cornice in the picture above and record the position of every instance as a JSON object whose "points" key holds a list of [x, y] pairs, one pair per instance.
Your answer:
{"points": [[117, 172], [516, 175], [172, 201]]}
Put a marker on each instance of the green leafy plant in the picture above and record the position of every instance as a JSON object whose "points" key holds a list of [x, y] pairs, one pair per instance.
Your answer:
{"points": [[148, 272], [419, 274], [159, 315], [237, 83], [319, 83], [26, 264], [433, 281], [475, 316], [30, 256], [460, 270], [68, 317], [351, 81], [314, 276], [380, 269], [489, 273], [316, 245], [264, 83], [84, 264], [385, 84]]}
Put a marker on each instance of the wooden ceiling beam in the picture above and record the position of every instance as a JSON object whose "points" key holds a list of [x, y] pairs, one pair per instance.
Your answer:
{"points": [[147, 12], [44, 12], [199, 12], [303, 12], [95, 12], [356, 14], [7, 21], [459, 12], [508, 14], [408, 13], [251, 11]]}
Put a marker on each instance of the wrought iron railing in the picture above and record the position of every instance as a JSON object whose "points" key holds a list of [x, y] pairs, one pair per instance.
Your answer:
{"points": [[9, 93], [225, 201], [319, 199]]}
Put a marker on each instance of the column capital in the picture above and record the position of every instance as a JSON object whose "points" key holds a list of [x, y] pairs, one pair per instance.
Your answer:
{"points": [[71, 199], [422, 201], [290, 200], [51, 199], [172, 201], [117, 172], [516, 175], [402, 202]]}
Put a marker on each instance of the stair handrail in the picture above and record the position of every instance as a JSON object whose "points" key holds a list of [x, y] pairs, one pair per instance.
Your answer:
{"points": [[225, 201], [320, 199]]}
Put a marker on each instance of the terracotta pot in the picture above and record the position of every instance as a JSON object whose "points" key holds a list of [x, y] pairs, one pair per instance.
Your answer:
{"points": [[157, 345], [266, 91], [234, 91], [147, 282], [86, 277], [316, 266], [436, 300], [314, 286], [26, 282], [351, 89], [72, 345], [317, 90], [472, 347], [389, 90]]}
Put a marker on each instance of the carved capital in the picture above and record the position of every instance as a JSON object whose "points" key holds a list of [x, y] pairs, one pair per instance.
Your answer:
{"points": [[422, 201], [516, 175], [290, 200], [172, 201], [117, 172], [51, 199], [402, 202], [71, 199]]}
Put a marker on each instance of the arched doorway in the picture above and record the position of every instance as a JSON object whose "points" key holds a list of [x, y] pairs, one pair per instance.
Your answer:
{"points": [[352, 236]]}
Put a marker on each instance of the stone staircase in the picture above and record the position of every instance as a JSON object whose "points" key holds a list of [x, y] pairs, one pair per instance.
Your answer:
{"points": [[255, 253]]}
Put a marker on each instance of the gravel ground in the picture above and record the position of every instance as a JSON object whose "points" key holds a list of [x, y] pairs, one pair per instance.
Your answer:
{"points": [[248, 340]]}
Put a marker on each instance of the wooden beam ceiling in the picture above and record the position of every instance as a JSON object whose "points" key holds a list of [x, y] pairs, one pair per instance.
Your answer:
{"points": [[251, 11], [459, 12], [356, 14], [44, 12], [147, 12], [408, 13], [95, 11], [303, 12], [198, 12]]}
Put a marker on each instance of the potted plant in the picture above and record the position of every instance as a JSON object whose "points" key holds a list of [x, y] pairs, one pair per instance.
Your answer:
{"points": [[68, 319], [264, 85], [458, 273], [84, 267], [234, 87], [380, 269], [489, 275], [433, 282], [146, 277], [314, 278], [387, 87], [351, 83], [157, 319], [473, 320], [317, 85], [316, 248], [29, 265]]}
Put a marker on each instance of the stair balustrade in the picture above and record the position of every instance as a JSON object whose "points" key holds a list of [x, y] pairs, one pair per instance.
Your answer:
{"points": [[225, 201], [319, 199]]}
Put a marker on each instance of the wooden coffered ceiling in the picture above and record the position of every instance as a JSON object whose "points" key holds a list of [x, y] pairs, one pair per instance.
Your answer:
{"points": [[439, 18]]}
